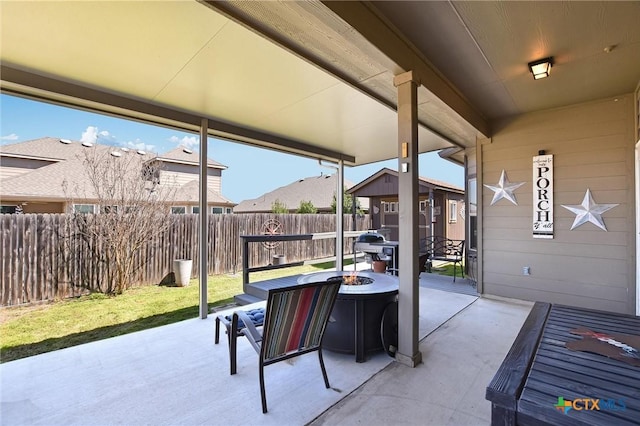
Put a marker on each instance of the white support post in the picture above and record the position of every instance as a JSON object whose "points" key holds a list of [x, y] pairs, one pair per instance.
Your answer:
{"points": [[340, 218], [203, 220], [408, 296]]}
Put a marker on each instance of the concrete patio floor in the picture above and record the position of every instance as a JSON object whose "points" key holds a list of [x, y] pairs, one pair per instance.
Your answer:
{"points": [[176, 375]]}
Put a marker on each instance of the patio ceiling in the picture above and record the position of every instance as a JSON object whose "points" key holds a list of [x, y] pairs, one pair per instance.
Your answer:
{"points": [[317, 78]]}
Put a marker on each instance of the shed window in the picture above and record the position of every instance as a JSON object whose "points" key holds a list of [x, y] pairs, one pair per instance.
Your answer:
{"points": [[178, 210], [453, 211]]}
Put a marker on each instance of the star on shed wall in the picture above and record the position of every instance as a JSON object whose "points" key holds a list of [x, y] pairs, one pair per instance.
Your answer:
{"points": [[589, 211], [504, 189]]}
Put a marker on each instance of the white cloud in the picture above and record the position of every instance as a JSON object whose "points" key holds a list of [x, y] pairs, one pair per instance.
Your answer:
{"points": [[90, 135], [11, 137], [138, 144], [187, 141]]}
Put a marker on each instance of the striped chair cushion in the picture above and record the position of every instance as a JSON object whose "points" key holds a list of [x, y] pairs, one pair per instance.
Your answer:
{"points": [[295, 319]]}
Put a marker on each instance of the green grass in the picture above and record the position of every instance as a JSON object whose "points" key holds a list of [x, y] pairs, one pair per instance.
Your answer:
{"points": [[31, 330], [447, 269]]}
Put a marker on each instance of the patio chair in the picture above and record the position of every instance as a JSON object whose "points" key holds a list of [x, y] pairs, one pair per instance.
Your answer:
{"points": [[255, 316], [294, 324]]}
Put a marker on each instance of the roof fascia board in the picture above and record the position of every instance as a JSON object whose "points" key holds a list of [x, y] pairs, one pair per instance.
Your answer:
{"points": [[363, 17], [451, 154], [425, 182], [27, 84], [191, 163], [30, 157]]}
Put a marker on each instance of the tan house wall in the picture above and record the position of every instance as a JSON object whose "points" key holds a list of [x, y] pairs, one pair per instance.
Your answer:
{"points": [[35, 206], [53, 207], [181, 174], [593, 147]]}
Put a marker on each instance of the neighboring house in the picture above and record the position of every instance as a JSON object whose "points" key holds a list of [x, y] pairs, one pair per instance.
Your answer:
{"points": [[180, 167], [446, 218], [319, 190], [34, 175]]}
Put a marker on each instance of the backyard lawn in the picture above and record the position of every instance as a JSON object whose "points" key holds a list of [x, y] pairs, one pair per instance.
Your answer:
{"points": [[31, 330]]}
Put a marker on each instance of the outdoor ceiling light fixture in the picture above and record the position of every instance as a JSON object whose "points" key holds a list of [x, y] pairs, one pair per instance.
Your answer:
{"points": [[541, 68]]}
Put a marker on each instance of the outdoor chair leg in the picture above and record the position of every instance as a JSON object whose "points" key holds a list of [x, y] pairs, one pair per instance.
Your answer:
{"points": [[263, 394], [233, 343], [217, 330], [324, 370]]}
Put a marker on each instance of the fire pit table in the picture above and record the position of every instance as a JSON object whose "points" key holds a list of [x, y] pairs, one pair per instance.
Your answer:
{"points": [[356, 321]]}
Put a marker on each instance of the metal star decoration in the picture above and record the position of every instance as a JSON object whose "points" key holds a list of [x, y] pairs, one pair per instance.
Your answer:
{"points": [[504, 189], [589, 211]]}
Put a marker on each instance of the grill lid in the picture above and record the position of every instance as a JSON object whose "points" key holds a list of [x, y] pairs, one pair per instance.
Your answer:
{"points": [[371, 237]]}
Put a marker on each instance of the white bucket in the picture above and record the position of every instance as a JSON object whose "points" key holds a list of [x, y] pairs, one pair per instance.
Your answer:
{"points": [[182, 271]]}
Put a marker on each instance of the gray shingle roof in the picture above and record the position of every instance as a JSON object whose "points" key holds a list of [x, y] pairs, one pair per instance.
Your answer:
{"points": [[317, 189], [437, 184], [65, 164], [183, 154], [190, 193], [47, 148], [48, 182]]}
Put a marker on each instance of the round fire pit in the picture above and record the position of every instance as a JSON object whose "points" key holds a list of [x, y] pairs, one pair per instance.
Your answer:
{"points": [[355, 323], [349, 280]]}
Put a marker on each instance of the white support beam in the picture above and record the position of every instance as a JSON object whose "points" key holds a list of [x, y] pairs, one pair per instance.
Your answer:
{"points": [[408, 296], [203, 220], [340, 218]]}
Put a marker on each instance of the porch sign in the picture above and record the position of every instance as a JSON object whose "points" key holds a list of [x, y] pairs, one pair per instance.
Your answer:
{"points": [[543, 196]]}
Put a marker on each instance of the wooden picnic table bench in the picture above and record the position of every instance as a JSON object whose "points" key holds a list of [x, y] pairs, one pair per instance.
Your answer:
{"points": [[543, 381]]}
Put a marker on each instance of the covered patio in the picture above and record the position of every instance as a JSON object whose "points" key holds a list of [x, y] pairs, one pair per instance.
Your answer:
{"points": [[175, 374], [354, 83]]}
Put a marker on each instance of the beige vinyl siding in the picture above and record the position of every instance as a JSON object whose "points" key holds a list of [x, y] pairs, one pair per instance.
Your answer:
{"points": [[181, 174], [180, 179], [52, 207], [593, 148]]}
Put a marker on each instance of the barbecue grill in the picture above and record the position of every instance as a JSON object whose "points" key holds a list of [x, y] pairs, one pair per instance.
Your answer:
{"points": [[365, 244], [376, 247]]}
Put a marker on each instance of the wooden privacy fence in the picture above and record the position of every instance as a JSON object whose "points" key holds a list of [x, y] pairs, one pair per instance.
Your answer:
{"points": [[44, 258]]}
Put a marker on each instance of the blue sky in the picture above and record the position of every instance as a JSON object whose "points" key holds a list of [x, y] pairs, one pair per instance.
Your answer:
{"points": [[251, 171]]}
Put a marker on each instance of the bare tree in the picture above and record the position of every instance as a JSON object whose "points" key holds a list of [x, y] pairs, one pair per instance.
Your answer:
{"points": [[132, 209]]}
